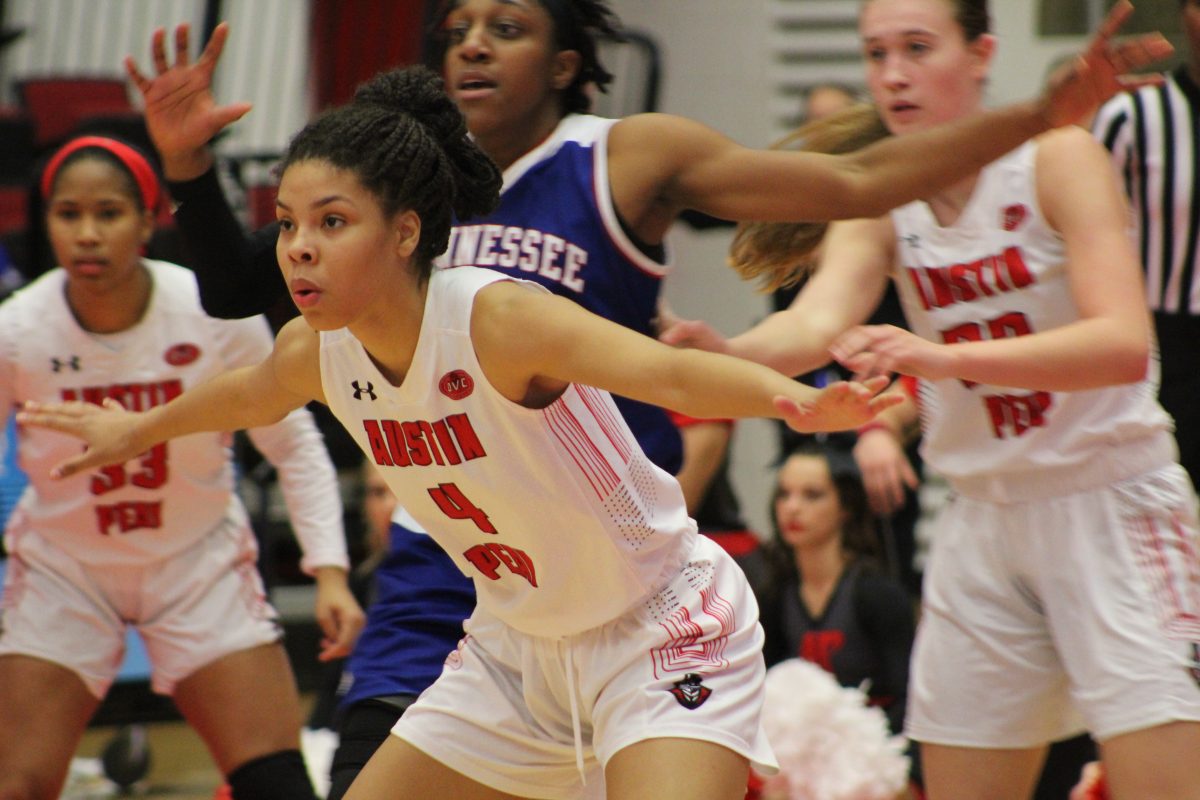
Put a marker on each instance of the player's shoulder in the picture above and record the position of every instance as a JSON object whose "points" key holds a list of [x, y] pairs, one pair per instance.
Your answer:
{"points": [[39, 301], [1060, 152], [1066, 137]]}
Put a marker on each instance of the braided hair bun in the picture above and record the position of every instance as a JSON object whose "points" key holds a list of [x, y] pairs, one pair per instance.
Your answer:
{"points": [[408, 144]]}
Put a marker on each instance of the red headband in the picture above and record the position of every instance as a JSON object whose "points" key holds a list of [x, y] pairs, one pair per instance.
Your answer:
{"points": [[134, 161]]}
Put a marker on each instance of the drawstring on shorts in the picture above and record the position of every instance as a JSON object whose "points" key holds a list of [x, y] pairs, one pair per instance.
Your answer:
{"points": [[573, 700]]}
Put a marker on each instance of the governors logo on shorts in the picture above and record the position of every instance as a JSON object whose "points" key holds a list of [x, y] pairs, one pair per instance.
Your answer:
{"points": [[690, 692]]}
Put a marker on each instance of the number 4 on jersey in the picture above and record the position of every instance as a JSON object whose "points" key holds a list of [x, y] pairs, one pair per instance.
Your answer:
{"points": [[455, 505], [489, 557]]}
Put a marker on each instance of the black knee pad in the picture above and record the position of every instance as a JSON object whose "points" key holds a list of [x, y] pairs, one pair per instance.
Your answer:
{"points": [[364, 726], [278, 776]]}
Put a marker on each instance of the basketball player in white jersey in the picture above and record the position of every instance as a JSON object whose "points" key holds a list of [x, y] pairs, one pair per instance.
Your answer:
{"points": [[608, 633], [161, 542], [1063, 591]]}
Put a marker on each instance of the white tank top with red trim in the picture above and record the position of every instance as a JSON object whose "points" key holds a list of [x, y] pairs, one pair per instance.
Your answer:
{"points": [[1000, 271], [556, 513]]}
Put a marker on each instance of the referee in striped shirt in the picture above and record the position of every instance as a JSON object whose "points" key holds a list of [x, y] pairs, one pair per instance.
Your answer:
{"points": [[1154, 137]]}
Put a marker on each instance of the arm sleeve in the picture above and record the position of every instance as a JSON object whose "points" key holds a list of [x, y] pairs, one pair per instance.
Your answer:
{"points": [[887, 616], [237, 273], [309, 482]]}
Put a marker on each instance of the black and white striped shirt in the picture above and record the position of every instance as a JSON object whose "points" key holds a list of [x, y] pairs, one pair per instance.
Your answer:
{"points": [[1154, 138]]}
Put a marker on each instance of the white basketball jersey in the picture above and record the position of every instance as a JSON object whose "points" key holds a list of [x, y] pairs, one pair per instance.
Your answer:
{"points": [[556, 513], [163, 501], [1000, 271]]}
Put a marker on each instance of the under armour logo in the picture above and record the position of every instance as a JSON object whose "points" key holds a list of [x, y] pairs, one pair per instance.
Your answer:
{"points": [[1194, 667], [912, 240], [59, 364], [359, 391]]}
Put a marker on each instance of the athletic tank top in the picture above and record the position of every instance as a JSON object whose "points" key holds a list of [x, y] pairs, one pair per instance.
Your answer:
{"points": [[556, 513], [164, 500], [1000, 271]]}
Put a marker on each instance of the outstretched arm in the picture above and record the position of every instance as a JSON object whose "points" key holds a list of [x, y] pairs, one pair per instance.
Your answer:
{"points": [[856, 259], [237, 274], [682, 164], [248, 397], [562, 343]]}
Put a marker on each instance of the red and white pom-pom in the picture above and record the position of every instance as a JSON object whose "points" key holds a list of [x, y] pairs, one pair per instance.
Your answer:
{"points": [[830, 744]]}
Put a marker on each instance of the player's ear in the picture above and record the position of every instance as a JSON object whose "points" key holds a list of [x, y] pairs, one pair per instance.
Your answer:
{"points": [[983, 49], [567, 64], [407, 225]]}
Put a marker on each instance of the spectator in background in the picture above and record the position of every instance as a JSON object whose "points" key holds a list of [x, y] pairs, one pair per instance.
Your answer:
{"points": [[376, 507], [319, 737], [830, 602]]}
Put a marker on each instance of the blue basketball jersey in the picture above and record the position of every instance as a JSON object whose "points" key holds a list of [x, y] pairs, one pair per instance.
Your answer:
{"points": [[556, 225]]}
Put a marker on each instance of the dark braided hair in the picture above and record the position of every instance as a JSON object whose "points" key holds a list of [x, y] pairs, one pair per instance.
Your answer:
{"points": [[408, 145], [578, 24]]}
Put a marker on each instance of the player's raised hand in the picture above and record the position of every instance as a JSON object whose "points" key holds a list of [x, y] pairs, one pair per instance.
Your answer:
{"points": [[108, 430], [839, 406], [182, 115], [1102, 70]]}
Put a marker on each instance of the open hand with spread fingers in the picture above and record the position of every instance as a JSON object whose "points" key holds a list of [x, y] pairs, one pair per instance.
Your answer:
{"points": [[182, 115], [839, 406], [1102, 70], [108, 430]]}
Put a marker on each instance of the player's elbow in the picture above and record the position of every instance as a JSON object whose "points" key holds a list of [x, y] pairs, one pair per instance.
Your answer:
{"points": [[1129, 359], [1133, 365]]}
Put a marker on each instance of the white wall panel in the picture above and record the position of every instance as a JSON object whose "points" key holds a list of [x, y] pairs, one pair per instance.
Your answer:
{"points": [[85, 36], [266, 60], [266, 63]]}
